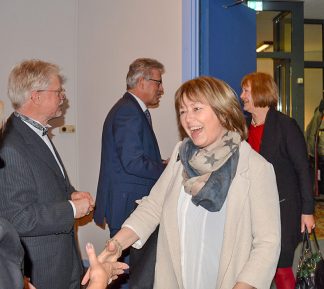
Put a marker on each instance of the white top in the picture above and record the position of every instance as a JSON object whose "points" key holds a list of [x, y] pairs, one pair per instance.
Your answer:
{"points": [[201, 237]]}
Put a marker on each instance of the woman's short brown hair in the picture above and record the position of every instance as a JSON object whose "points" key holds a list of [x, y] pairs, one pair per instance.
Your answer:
{"points": [[220, 96], [264, 90]]}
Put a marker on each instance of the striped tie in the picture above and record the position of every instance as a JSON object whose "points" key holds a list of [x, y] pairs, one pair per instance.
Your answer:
{"points": [[148, 116]]}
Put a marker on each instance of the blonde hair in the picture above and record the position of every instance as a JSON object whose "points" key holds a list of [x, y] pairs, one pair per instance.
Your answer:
{"points": [[264, 90], [30, 75], [220, 96]]}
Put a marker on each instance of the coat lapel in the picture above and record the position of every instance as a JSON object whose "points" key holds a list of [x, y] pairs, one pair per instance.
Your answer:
{"points": [[270, 134], [237, 195], [172, 231], [36, 145]]}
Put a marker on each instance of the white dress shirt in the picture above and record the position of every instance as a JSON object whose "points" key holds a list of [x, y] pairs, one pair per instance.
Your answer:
{"points": [[201, 238]]}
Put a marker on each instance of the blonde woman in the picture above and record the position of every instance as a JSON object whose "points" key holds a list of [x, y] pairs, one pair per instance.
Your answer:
{"points": [[216, 202]]}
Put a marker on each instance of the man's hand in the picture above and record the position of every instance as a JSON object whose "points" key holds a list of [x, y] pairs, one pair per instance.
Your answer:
{"points": [[83, 202], [101, 273], [82, 207], [82, 195]]}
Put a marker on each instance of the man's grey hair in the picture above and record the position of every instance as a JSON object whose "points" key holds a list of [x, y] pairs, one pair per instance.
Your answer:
{"points": [[141, 68], [30, 75]]}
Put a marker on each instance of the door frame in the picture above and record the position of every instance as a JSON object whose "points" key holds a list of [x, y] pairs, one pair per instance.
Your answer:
{"points": [[296, 56], [190, 39]]}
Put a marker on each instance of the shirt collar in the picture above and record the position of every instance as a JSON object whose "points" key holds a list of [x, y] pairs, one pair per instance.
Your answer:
{"points": [[140, 102]]}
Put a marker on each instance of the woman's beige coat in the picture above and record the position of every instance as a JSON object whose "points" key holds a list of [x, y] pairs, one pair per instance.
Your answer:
{"points": [[251, 243]]}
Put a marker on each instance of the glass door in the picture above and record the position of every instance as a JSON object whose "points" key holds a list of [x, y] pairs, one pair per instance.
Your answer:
{"points": [[282, 77], [281, 24]]}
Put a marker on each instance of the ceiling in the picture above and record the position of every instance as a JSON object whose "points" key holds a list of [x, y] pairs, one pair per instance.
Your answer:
{"points": [[313, 9]]}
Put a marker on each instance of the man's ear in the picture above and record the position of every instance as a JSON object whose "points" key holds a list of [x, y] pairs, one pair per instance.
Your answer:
{"points": [[141, 83], [34, 97]]}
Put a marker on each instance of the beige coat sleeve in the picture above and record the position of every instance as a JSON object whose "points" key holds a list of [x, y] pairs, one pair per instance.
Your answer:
{"points": [[147, 215]]}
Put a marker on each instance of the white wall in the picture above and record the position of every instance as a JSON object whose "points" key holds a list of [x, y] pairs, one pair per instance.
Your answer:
{"points": [[111, 35], [94, 42], [45, 30]]}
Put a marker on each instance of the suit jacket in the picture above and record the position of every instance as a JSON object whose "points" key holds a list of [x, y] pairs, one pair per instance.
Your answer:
{"points": [[130, 162], [251, 241], [34, 198], [11, 257], [284, 146]]}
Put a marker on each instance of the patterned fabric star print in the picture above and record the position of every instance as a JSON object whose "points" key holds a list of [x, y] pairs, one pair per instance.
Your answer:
{"points": [[208, 172], [230, 143], [210, 160]]}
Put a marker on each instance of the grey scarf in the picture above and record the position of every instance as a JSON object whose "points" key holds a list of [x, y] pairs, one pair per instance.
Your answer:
{"points": [[208, 172]]}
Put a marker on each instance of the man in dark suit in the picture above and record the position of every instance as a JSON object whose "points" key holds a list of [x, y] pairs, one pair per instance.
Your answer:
{"points": [[130, 160], [35, 193]]}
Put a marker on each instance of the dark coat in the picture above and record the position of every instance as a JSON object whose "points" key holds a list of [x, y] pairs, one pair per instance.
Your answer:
{"points": [[284, 146], [130, 162], [11, 257], [34, 197], [130, 165]]}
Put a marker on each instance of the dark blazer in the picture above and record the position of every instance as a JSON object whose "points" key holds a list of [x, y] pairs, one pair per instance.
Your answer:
{"points": [[34, 197], [283, 145], [11, 257], [130, 162]]}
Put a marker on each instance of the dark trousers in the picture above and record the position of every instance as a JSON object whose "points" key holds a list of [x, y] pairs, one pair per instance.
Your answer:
{"points": [[142, 264]]}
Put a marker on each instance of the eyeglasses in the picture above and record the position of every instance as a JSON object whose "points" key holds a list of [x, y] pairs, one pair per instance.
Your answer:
{"points": [[159, 81], [60, 92]]}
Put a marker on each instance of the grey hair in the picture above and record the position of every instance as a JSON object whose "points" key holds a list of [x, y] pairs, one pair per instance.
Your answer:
{"points": [[30, 75], [141, 68]]}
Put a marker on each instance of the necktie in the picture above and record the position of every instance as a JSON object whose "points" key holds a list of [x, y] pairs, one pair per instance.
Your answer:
{"points": [[148, 116], [32, 122]]}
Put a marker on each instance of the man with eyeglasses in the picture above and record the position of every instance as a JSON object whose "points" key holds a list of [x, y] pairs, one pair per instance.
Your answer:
{"points": [[35, 193], [131, 162]]}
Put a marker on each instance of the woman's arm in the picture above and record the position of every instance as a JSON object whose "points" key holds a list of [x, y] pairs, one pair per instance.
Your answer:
{"points": [[124, 238], [299, 158], [113, 250], [297, 153], [102, 274], [145, 218]]}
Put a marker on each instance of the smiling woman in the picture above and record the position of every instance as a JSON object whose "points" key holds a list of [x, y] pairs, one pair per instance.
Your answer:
{"points": [[216, 198]]}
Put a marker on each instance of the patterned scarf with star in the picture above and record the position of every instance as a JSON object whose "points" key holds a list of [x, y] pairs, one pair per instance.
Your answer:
{"points": [[208, 172]]}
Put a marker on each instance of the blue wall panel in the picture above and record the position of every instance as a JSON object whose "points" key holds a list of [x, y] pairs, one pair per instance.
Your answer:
{"points": [[227, 41]]}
